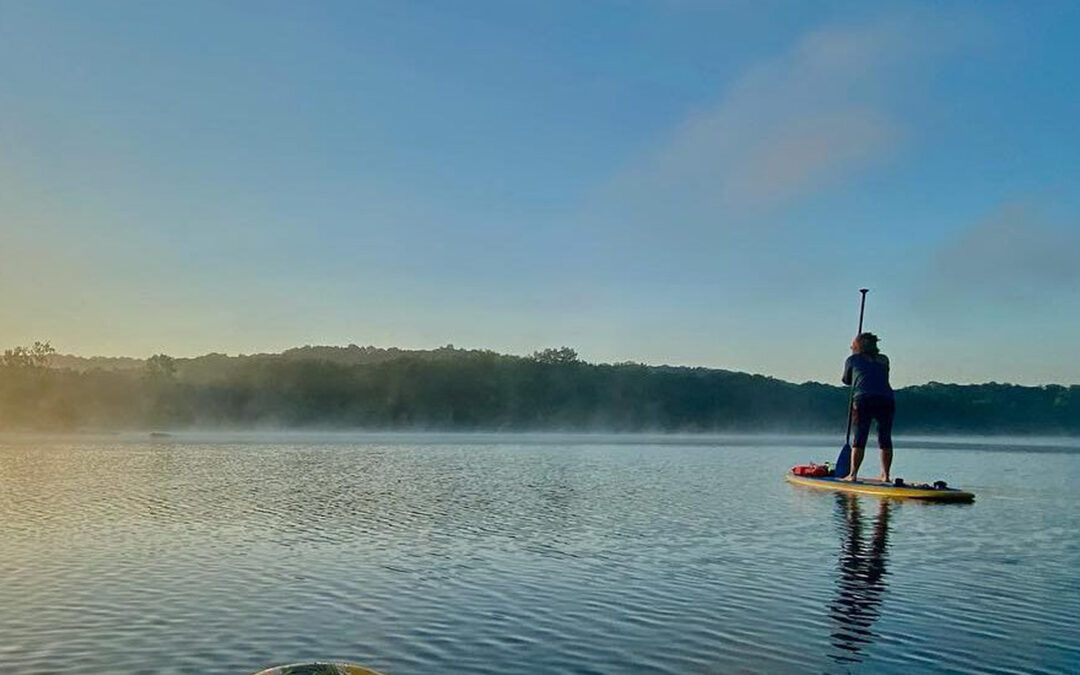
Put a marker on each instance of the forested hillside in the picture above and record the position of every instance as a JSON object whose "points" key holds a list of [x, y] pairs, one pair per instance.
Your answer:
{"points": [[456, 389]]}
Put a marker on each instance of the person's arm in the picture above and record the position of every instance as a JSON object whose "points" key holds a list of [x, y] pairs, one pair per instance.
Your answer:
{"points": [[846, 377]]}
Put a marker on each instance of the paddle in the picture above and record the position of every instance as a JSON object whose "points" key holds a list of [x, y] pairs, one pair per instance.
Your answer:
{"points": [[843, 462]]}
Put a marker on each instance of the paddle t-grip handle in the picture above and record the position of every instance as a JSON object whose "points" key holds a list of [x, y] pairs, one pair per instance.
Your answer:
{"points": [[862, 308]]}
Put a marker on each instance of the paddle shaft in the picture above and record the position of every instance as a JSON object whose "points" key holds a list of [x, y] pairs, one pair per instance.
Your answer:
{"points": [[851, 392]]}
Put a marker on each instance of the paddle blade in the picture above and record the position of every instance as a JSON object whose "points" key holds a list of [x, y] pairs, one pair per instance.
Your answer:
{"points": [[843, 462]]}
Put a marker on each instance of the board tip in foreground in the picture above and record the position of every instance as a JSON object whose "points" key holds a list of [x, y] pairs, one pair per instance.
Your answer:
{"points": [[319, 668]]}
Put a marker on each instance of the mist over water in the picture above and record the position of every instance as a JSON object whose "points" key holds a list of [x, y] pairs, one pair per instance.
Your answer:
{"points": [[490, 553], [460, 390]]}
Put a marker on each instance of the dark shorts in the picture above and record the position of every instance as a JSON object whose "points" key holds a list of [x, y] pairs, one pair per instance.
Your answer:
{"points": [[870, 408]]}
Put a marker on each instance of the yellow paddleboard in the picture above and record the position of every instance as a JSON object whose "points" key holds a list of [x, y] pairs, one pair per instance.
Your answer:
{"points": [[879, 489]]}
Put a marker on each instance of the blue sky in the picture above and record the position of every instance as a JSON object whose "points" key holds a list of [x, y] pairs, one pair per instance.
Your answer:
{"points": [[677, 182]]}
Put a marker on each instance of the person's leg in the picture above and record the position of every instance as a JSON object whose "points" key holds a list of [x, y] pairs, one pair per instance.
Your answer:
{"points": [[886, 465], [861, 422], [856, 461], [884, 433]]}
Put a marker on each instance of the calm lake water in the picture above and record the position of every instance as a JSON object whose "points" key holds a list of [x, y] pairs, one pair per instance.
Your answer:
{"points": [[530, 554]]}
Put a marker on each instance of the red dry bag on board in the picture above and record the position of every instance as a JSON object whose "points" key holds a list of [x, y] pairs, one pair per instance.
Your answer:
{"points": [[812, 470]]}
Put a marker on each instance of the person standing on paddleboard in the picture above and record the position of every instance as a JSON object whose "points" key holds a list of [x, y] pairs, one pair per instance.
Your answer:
{"points": [[867, 370]]}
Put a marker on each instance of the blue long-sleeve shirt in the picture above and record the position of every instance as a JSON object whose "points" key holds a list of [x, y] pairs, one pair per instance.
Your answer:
{"points": [[870, 375]]}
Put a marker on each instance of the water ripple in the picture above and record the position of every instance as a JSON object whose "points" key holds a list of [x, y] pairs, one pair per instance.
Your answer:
{"points": [[503, 554]]}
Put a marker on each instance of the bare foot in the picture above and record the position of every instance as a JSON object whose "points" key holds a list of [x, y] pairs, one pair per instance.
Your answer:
{"points": [[851, 478], [884, 478]]}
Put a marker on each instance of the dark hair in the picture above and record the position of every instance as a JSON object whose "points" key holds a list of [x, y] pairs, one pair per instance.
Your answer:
{"points": [[867, 343]]}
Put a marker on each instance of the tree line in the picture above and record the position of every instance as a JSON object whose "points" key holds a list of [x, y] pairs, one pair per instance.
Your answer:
{"points": [[456, 389]]}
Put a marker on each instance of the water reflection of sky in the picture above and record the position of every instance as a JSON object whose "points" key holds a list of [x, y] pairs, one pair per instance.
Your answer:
{"points": [[862, 581], [428, 554]]}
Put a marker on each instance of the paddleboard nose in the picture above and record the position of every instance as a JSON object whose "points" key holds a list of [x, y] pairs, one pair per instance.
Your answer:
{"points": [[319, 669]]}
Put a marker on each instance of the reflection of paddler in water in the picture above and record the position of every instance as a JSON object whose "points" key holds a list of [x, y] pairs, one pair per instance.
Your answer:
{"points": [[862, 584]]}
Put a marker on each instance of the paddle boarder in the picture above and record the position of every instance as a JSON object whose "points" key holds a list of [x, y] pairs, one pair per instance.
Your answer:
{"points": [[867, 371]]}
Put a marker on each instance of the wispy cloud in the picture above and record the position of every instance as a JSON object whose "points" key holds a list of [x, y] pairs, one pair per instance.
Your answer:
{"points": [[1015, 254], [801, 122]]}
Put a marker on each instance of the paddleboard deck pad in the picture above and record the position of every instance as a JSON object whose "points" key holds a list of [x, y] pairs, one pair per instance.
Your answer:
{"points": [[879, 489]]}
